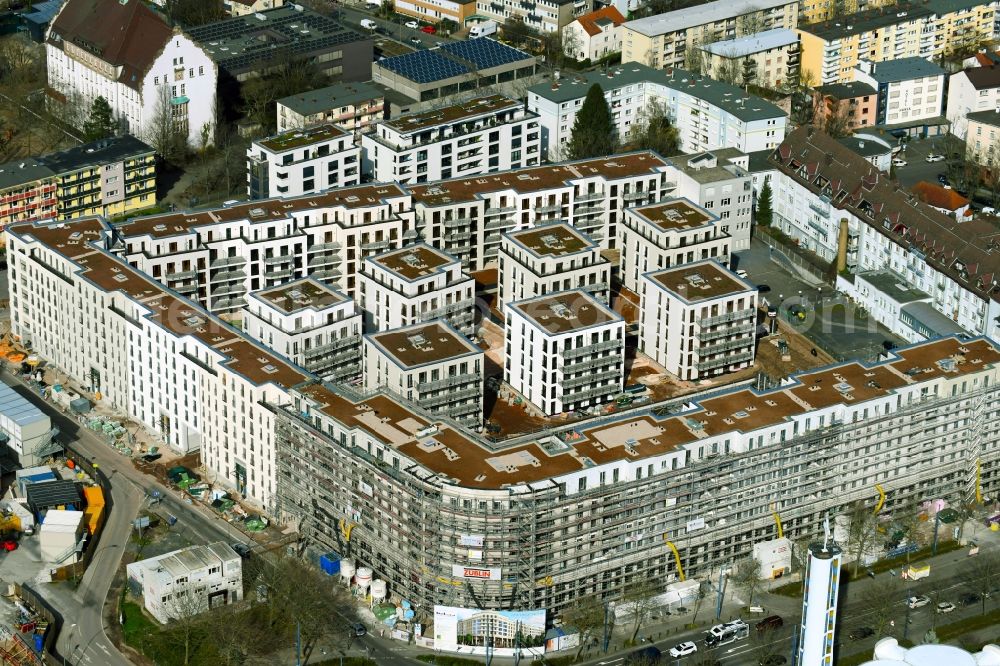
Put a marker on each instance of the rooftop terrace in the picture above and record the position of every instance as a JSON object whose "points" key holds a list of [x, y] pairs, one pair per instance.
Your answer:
{"points": [[565, 311], [292, 139], [414, 261], [677, 214], [417, 345], [551, 240], [304, 294], [700, 281]]}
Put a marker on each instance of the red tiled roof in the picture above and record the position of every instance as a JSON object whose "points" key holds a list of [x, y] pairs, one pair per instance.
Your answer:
{"points": [[123, 33], [939, 197], [589, 21]]}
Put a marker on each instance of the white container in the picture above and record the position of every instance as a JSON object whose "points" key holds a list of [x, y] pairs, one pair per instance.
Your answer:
{"points": [[347, 570], [378, 589], [363, 577]]}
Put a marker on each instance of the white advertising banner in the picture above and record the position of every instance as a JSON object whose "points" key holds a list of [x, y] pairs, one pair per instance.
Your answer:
{"points": [[471, 630], [476, 573]]}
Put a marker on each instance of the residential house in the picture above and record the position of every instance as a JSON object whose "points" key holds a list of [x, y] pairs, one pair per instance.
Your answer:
{"points": [[594, 35]]}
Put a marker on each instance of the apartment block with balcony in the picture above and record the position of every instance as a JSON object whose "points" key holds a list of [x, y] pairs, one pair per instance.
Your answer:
{"points": [[564, 351], [310, 323], [698, 320], [662, 41], [667, 234], [853, 105], [549, 258], [774, 53], [429, 364], [540, 15], [299, 162], [708, 114], [911, 94], [832, 49], [109, 177], [355, 107], [719, 182], [416, 284], [972, 91], [982, 142], [436, 11], [483, 135]]}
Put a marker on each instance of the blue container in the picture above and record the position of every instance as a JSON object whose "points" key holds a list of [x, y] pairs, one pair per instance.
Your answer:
{"points": [[39, 642], [330, 563]]}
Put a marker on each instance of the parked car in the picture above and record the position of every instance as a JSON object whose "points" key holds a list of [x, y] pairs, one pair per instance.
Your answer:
{"points": [[861, 633], [683, 649], [934, 157], [742, 273], [8, 545], [969, 599], [415, 41], [412, 24], [359, 629], [899, 162], [242, 550], [942, 179], [945, 607], [429, 29], [918, 601], [770, 623]]}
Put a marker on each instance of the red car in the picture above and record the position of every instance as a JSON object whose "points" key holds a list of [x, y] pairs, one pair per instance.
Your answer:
{"points": [[429, 29], [8, 545]]}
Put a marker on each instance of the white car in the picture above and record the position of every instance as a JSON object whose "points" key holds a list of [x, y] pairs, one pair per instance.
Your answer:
{"points": [[934, 157], [899, 162], [918, 602], [741, 273], [683, 649], [945, 607], [413, 24]]}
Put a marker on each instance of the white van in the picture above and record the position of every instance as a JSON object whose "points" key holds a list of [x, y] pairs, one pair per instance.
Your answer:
{"points": [[374, 4], [369, 24]]}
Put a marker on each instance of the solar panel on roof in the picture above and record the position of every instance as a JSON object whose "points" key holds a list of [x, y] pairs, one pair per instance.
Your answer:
{"points": [[424, 66], [484, 53]]}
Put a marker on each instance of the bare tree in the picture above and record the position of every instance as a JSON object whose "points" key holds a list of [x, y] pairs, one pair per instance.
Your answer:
{"points": [[750, 23], [694, 57], [982, 574], [880, 599], [586, 615], [162, 130], [728, 71], [189, 626], [861, 532], [746, 576], [640, 597]]}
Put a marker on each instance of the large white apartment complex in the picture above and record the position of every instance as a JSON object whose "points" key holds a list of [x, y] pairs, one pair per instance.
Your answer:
{"points": [[431, 365], [971, 91], [416, 284], [549, 258], [482, 135], [834, 203], [304, 161], [668, 234], [311, 323], [698, 320], [708, 114], [564, 351], [151, 74], [662, 41]]}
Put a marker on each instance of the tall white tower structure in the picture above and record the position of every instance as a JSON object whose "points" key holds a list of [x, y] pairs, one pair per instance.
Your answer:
{"points": [[819, 603]]}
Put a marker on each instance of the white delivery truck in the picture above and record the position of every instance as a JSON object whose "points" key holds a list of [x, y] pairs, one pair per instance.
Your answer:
{"points": [[369, 24], [483, 29]]}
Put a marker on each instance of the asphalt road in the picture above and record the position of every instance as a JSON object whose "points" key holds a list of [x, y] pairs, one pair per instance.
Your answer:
{"points": [[394, 29]]}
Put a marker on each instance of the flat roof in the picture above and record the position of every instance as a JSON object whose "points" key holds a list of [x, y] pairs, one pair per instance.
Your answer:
{"points": [[867, 20], [675, 214], [302, 137], [755, 43], [711, 12], [847, 90], [420, 344], [331, 97], [414, 261], [243, 43], [697, 166], [182, 222], [905, 69], [304, 294], [536, 179], [453, 113], [700, 281], [984, 117], [552, 240], [565, 311], [893, 286], [19, 409], [866, 146], [730, 98]]}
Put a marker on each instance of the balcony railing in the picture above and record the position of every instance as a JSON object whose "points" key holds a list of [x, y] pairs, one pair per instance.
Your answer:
{"points": [[597, 391], [597, 362], [228, 289], [726, 331], [279, 259], [596, 348], [181, 275], [705, 322], [375, 245], [550, 208], [635, 196], [590, 378], [228, 261], [448, 382], [334, 345], [431, 401], [446, 310], [724, 346], [227, 276], [720, 361], [592, 196]]}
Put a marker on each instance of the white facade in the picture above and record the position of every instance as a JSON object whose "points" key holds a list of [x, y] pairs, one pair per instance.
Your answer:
{"points": [[178, 79], [720, 183], [594, 35], [550, 258], [564, 351], [909, 89], [300, 162], [189, 581], [483, 135], [60, 536], [671, 233], [310, 323], [27, 430], [708, 114], [432, 365], [416, 284], [819, 604], [698, 320], [972, 90]]}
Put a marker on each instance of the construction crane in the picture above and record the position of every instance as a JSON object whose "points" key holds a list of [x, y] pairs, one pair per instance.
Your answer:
{"points": [[881, 499], [777, 520]]}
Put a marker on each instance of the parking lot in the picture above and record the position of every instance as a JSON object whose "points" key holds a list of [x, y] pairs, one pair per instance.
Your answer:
{"points": [[917, 168]]}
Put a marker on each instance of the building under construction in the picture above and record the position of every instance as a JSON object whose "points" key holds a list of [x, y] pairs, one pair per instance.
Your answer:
{"points": [[591, 507]]}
